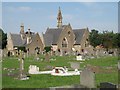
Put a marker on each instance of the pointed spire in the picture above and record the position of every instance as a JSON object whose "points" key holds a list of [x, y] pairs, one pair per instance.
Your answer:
{"points": [[59, 19]]}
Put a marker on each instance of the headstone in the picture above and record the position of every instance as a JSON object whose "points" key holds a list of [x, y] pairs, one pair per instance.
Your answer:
{"points": [[79, 57], [48, 67], [22, 76], [119, 65], [47, 57], [21, 64], [104, 85], [87, 78], [33, 69], [75, 65]]}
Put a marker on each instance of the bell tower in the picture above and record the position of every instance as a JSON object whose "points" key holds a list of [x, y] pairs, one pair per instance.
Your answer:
{"points": [[22, 31], [22, 28], [59, 19]]}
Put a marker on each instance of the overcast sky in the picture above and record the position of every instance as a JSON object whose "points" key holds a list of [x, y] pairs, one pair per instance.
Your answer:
{"points": [[40, 15]]}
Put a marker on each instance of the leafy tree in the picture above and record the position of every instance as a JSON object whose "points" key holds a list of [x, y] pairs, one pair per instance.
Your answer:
{"points": [[116, 40], [95, 38], [108, 39], [3, 39], [47, 49]]}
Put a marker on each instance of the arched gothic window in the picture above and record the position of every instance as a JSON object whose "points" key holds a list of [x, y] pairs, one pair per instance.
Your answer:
{"points": [[64, 42]]}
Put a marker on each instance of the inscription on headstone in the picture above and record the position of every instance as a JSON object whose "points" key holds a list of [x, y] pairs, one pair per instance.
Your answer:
{"points": [[87, 78]]}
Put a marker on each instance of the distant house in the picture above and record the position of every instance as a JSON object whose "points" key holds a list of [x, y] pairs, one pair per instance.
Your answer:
{"points": [[28, 40], [66, 40]]}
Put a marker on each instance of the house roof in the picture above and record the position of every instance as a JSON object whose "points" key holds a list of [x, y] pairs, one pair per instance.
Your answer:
{"points": [[51, 36], [18, 41], [78, 35]]}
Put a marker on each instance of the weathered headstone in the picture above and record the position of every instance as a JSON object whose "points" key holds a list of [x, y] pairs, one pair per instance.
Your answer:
{"points": [[104, 85], [119, 65], [47, 57], [21, 64], [75, 65], [87, 78], [48, 67], [22, 76]]}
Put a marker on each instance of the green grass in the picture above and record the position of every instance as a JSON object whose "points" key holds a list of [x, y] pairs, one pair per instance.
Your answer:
{"points": [[105, 61], [40, 81], [45, 81]]}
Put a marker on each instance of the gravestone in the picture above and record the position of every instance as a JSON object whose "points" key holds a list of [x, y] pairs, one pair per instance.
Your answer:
{"points": [[21, 64], [48, 67], [87, 78], [47, 57], [104, 85], [75, 65], [33, 69], [22, 75], [79, 57]]}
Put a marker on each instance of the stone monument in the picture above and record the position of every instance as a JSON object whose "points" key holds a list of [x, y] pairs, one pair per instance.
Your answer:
{"points": [[22, 76], [87, 78]]}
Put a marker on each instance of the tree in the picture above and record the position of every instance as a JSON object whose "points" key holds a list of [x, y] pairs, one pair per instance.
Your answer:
{"points": [[47, 49], [3, 39], [108, 39], [95, 38]]}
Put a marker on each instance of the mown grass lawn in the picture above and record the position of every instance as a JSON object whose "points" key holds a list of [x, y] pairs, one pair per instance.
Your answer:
{"points": [[45, 81]]}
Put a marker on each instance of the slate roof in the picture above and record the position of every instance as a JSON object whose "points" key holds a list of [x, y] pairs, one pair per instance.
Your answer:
{"points": [[78, 35], [51, 36], [18, 41]]}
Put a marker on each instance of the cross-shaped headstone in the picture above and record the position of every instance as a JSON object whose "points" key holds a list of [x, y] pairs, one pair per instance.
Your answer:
{"points": [[21, 64]]}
